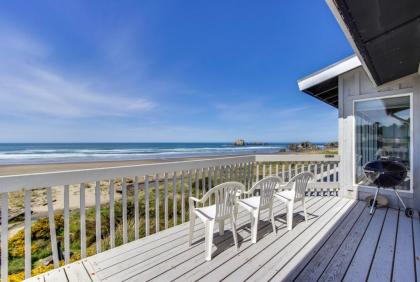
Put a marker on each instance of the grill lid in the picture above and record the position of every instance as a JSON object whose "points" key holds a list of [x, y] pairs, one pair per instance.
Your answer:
{"points": [[385, 173]]}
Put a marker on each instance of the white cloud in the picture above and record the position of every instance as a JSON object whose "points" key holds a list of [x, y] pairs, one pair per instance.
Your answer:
{"points": [[30, 86]]}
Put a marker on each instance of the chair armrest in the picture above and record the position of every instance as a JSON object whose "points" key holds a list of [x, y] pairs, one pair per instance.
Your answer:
{"points": [[195, 199], [284, 186]]}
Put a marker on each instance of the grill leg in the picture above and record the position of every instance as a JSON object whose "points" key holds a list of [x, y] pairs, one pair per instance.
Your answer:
{"points": [[372, 209], [399, 198]]}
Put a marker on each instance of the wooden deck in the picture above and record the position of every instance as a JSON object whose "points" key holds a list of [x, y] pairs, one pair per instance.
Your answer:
{"points": [[340, 242]]}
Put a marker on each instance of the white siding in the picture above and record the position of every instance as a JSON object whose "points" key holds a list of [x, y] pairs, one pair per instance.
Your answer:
{"points": [[355, 85]]}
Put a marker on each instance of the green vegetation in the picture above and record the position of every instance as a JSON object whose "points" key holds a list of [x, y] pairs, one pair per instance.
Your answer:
{"points": [[41, 244]]}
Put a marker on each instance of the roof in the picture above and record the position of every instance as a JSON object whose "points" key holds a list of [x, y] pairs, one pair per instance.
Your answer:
{"points": [[323, 84], [384, 34]]}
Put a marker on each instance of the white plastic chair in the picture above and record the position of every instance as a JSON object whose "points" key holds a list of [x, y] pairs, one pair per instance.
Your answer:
{"points": [[255, 204], [224, 208], [298, 185]]}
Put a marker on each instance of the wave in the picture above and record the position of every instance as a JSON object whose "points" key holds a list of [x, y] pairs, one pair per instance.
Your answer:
{"points": [[153, 151]]}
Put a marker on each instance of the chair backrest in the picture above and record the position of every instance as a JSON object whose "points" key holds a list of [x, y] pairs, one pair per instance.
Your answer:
{"points": [[267, 186], [225, 198], [300, 183]]}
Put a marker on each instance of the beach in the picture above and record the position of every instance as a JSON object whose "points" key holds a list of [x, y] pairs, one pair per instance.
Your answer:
{"points": [[43, 168]]}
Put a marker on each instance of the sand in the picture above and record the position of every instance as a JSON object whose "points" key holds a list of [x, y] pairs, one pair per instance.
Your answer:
{"points": [[37, 168], [39, 202]]}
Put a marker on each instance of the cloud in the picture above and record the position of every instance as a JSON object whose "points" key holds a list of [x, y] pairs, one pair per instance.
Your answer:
{"points": [[29, 85]]}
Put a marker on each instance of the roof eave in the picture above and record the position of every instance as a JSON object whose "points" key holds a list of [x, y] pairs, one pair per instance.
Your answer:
{"points": [[329, 72]]}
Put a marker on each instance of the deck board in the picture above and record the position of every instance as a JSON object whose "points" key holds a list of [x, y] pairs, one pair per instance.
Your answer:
{"points": [[404, 269], [265, 229], [341, 240], [381, 267], [360, 265], [416, 236], [239, 267], [314, 269]]}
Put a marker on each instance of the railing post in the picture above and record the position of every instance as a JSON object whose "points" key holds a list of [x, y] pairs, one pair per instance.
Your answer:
{"points": [[165, 187], [52, 228], [111, 213], [4, 236], [182, 197], [28, 223], [146, 204], [157, 203], [66, 225], [124, 210], [257, 173], [136, 207], [82, 222], [175, 202], [98, 216]]}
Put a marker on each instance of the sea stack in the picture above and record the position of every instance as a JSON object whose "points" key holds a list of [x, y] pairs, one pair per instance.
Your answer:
{"points": [[239, 142]]}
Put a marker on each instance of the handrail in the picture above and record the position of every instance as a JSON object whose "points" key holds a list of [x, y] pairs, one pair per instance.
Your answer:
{"points": [[12, 183], [157, 183], [298, 158]]}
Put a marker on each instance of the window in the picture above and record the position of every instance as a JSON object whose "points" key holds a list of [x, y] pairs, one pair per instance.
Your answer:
{"points": [[382, 132]]}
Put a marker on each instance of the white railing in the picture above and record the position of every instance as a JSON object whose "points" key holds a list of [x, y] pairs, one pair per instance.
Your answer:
{"points": [[324, 167], [151, 197]]}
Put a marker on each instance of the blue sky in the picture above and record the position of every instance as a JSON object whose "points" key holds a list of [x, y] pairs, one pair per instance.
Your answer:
{"points": [[139, 71]]}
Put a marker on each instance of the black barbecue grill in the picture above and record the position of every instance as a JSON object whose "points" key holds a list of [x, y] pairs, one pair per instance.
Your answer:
{"points": [[386, 174]]}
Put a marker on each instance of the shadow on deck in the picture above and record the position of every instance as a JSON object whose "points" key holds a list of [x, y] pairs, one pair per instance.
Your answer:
{"points": [[340, 242]]}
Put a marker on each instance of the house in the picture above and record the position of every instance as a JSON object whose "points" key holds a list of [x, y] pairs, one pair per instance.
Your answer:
{"points": [[376, 92]]}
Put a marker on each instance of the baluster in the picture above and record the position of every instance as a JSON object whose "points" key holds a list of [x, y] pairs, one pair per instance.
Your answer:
{"points": [[209, 175], [290, 171], [146, 204], [166, 200], [174, 195], [4, 236], [182, 198], [239, 173], [124, 210], [203, 180], [270, 168], [322, 172], [222, 174], [316, 172], [66, 224], [216, 176], [277, 169], [263, 170], [189, 184], [248, 174], [28, 222], [328, 172], [82, 221], [136, 208], [157, 203], [98, 216], [335, 172], [243, 173], [257, 172], [282, 171], [52, 227], [112, 213], [197, 184]]}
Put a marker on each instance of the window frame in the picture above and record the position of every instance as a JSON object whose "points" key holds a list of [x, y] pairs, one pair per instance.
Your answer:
{"points": [[410, 95]]}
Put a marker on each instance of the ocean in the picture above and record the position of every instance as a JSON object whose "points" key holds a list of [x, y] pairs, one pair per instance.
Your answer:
{"points": [[43, 153]]}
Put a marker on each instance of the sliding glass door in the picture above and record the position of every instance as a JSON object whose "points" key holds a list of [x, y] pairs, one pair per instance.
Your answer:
{"points": [[382, 131]]}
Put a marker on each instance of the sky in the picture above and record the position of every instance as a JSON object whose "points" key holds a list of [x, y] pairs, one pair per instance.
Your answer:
{"points": [[165, 71]]}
